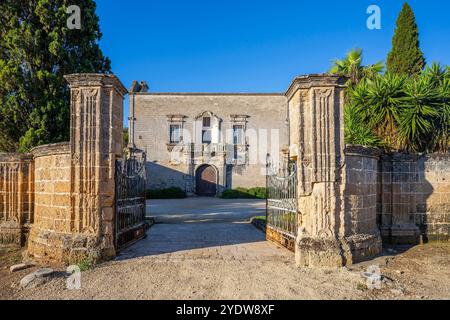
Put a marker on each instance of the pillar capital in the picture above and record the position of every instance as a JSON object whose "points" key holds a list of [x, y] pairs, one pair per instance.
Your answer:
{"points": [[80, 80], [315, 80]]}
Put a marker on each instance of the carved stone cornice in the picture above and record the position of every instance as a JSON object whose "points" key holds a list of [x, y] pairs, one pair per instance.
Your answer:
{"points": [[239, 118], [79, 80], [15, 157], [176, 118], [315, 80]]}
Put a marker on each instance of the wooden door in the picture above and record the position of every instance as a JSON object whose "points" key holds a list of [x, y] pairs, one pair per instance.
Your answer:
{"points": [[206, 181]]}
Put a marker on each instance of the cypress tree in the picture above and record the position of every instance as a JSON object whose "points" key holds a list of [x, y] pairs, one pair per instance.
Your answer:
{"points": [[406, 57], [36, 50]]}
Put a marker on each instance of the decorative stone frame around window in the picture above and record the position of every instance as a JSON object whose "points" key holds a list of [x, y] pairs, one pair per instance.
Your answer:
{"points": [[239, 155], [174, 120], [214, 128]]}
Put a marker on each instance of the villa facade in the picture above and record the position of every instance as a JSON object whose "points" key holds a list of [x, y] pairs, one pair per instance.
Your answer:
{"points": [[204, 143]]}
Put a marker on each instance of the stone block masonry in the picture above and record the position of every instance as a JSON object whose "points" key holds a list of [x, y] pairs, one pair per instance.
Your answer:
{"points": [[414, 198], [52, 201], [360, 201]]}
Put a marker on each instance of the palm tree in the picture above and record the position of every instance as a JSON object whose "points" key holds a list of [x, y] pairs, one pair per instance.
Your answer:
{"points": [[355, 129], [351, 67], [436, 72], [394, 111], [384, 94], [419, 112], [442, 124]]}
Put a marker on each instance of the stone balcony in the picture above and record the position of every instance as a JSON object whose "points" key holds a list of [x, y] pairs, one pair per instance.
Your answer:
{"points": [[210, 153]]}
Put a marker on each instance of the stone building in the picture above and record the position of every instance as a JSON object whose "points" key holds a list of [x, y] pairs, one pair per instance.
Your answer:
{"points": [[204, 143]]}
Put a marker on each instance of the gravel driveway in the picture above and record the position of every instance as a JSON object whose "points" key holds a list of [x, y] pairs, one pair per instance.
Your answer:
{"points": [[227, 258]]}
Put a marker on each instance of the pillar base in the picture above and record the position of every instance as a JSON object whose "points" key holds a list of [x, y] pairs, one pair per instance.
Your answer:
{"points": [[330, 252], [404, 234], [54, 247], [10, 234]]}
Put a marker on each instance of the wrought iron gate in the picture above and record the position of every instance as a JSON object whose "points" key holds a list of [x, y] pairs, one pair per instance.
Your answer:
{"points": [[130, 198], [282, 204]]}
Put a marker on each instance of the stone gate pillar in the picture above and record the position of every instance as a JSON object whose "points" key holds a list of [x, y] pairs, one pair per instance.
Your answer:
{"points": [[96, 141], [316, 109], [75, 193]]}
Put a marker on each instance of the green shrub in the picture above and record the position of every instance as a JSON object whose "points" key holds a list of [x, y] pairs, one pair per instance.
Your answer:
{"points": [[244, 193], [86, 264], [169, 193], [260, 218]]}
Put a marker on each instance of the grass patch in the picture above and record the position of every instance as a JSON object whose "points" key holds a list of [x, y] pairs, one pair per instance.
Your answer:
{"points": [[362, 287], [259, 222], [244, 193], [260, 218], [85, 264], [169, 193]]}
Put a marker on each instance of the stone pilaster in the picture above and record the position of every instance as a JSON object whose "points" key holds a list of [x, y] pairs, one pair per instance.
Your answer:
{"points": [[316, 107], [16, 197]]}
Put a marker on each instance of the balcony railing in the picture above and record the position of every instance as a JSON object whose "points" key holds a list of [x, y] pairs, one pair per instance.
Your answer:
{"points": [[206, 152]]}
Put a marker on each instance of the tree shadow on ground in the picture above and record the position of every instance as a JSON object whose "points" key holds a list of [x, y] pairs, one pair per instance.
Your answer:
{"points": [[171, 238]]}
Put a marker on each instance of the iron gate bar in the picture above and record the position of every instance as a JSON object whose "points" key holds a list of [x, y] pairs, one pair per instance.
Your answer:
{"points": [[281, 204], [130, 198]]}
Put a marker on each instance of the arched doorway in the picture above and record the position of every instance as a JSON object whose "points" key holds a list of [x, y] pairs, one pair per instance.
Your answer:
{"points": [[206, 181]]}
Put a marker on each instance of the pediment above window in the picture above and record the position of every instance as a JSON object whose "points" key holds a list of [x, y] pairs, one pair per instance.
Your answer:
{"points": [[208, 114], [176, 118], [242, 118]]}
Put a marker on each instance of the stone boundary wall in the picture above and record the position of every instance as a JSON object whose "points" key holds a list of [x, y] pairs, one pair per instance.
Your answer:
{"points": [[360, 201], [414, 199], [16, 197], [52, 196]]}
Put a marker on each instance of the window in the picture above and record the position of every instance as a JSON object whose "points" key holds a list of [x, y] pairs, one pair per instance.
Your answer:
{"points": [[206, 131], [175, 133], [206, 122], [238, 134], [206, 136]]}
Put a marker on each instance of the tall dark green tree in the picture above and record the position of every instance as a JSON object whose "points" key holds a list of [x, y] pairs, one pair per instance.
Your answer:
{"points": [[36, 49], [406, 57]]}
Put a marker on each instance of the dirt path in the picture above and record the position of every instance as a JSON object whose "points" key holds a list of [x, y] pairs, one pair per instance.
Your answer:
{"points": [[232, 261]]}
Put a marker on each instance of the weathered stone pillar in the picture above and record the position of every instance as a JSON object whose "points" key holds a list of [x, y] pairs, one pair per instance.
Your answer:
{"points": [[96, 142], [316, 108], [76, 189]]}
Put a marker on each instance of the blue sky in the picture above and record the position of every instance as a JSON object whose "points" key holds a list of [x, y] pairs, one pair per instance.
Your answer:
{"points": [[252, 46]]}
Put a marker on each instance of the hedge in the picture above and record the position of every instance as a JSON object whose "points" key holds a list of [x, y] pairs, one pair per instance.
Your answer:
{"points": [[169, 193], [244, 193]]}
